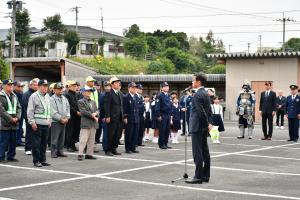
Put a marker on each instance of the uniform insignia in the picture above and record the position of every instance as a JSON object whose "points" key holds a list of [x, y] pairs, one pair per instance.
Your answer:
{"points": [[297, 100], [129, 101], [157, 100]]}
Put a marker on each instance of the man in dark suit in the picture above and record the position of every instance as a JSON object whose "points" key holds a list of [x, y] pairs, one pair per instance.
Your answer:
{"points": [[200, 125], [113, 104], [267, 109], [280, 106], [293, 113]]}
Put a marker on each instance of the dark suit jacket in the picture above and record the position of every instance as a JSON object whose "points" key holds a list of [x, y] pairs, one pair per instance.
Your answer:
{"points": [[87, 107], [292, 108], [267, 104], [201, 114], [131, 109], [280, 102], [113, 106]]}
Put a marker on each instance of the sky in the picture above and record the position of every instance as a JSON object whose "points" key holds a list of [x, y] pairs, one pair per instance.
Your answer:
{"points": [[236, 22]]}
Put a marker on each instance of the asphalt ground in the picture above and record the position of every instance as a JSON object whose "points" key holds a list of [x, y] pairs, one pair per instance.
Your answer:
{"points": [[241, 169]]}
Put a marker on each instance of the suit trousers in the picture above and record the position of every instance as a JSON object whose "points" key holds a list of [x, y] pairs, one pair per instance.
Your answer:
{"points": [[39, 139], [141, 130], [57, 138], [8, 141], [280, 115], [28, 136], [164, 130], [131, 136], [87, 139], [267, 118], [294, 128], [114, 134], [201, 154]]}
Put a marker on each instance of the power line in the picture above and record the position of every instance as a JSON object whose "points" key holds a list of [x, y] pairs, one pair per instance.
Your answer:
{"points": [[242, 32], [284, 20]]}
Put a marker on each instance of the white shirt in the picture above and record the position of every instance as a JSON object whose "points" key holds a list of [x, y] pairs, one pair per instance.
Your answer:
{"points": [[196, 90], [147, 106], [217, 109]]}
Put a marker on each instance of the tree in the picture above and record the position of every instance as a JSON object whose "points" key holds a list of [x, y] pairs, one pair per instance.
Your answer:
{"points": [[136, 47], [217, 69], [101, 42], [55, 27], [153, 44], [293, 44], [171, 42], [4, 70], [161, 66], [72, 38], [180, 59], [22, 29], [116, 43], [38, 43], [133, 31]]}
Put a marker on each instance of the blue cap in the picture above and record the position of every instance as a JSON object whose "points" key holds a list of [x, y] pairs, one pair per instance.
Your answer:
{"points": [[7, 82], [43, 82], [87, 89], [164, 84], [132, 84], [140, 86]]}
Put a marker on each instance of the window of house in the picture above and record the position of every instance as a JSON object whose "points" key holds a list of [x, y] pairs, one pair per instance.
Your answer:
{"points": [[111, 49], [87, 49], [51, 45]]}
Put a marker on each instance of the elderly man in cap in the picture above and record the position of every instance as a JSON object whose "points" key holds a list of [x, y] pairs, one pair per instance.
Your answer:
{"points": [[10, 109], [163, 114], [33, 86], [18, 91], [89, 124], [131, 118], [73, 125], [292, 109], [113, 104], [39, 117], [90, 82], [103, 124], [60, 117], [141, 109]]}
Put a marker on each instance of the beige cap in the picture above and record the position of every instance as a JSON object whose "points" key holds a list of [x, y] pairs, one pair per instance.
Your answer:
{"points": [[89, 79], [114, 79]]}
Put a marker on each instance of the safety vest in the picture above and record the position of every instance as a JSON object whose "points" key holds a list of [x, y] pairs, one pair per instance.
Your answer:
{"points": [[46, 106], [94, 96], [12, 106]]}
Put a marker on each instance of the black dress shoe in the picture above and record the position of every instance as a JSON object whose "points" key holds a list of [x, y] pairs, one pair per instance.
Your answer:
{"points": [[240, 137], [37, 164], [90, 157], [163, 147], [62, 155], [169, 147], [116, 153], [128, 152], [108, 153], [141, 145], [80, 158], [45, 164], [290, 140], [54, 156], [12, 160], [296, 140], [135, 151], [206, 180], [70, 150], [194, 181]]}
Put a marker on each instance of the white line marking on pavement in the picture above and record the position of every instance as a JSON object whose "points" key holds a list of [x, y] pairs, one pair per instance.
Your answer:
{"points": [[44, 170], [271, 157], [44, 183], [200, 189]]}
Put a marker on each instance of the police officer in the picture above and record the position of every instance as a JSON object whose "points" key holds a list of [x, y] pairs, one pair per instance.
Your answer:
{"points": [[293, 113], [141, 109], [163, 114], [131, 118], [39, 117], [103, 124], [10, 116]]}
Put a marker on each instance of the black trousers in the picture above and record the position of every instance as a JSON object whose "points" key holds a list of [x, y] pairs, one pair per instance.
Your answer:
{"points": [[72, 133], [201, 154], [164, 130], [141, 130], [27, 136], [114, 134], [39, 139], [131, 136], [280, 116], [294, 128], [267, 118]]}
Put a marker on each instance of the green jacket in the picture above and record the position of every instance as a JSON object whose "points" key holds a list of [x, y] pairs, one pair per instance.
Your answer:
{"points": [[5, 118]]}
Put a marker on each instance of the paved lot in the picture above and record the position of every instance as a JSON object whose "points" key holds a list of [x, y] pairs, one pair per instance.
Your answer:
{"points": [[241, 169]]}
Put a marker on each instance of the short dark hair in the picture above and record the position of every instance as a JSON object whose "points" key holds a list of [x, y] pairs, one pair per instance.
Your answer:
{"points": [[201, 77]]}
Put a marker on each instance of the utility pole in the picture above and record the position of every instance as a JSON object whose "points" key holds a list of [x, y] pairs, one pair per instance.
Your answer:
{"points": [[101, 22], [229, 46], [248, 47], [76, 9], [259, 38], [284, 20]]}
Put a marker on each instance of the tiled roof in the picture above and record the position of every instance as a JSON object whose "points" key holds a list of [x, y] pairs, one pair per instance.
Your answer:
{"points": [[255, 55]]}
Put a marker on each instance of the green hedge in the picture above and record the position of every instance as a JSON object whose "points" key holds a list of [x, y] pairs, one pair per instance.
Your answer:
{"points": [[4, 70]]}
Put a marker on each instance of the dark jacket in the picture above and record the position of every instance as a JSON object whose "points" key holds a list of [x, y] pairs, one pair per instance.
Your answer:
{"points": [[163, 105], [6, 118], [201, 114], [131, 110], [25, 99], [73, 101], [292, 108], [280, 102], [113, 105], [87, 107], [267, 105]]}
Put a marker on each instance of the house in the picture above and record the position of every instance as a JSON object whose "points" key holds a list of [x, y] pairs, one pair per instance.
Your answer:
{"points": [[282, 68], [88, 45]]}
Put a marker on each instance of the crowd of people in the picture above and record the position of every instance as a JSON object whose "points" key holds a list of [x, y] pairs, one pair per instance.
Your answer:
{"points": [[58, 117]]}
